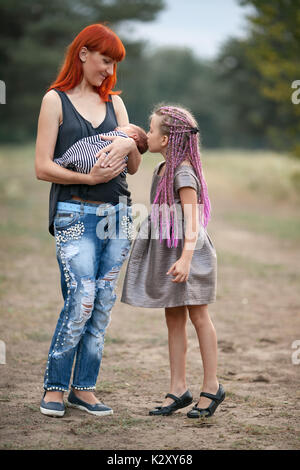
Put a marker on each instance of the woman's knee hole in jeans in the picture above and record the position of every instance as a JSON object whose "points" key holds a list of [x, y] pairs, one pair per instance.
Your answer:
{"points": [[113, 273], [105, 298], [81, 311], [88, 297]]}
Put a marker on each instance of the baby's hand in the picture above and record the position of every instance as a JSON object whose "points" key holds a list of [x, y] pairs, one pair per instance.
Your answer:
{"points": [[180, 269]]}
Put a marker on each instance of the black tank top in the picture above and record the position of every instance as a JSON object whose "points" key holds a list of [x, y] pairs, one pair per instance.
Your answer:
{"points": [[73, 128]]}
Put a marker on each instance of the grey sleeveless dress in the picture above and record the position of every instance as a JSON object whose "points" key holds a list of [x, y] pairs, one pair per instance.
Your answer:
{"points": [[146, 283]]}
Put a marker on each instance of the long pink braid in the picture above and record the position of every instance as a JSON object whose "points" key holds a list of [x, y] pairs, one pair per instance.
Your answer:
{"points": [[183, 145]]}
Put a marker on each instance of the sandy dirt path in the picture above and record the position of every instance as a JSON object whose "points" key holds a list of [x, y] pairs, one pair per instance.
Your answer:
{"points": [[256, 317]]}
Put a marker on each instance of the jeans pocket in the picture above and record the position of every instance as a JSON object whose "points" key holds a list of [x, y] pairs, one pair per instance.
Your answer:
{"points": [[63, 220]]}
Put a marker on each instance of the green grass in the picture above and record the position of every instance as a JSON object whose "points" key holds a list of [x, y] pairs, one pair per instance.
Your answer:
{"points": [[257, 269], [274, 176], [261, 176], [115, 340], [280, 227], [251, 265], [38, 336]]}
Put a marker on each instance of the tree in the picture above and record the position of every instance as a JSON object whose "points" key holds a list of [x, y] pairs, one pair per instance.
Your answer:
{"points": [[245, 113], [34, 34], [175, 76], [274, 48]]}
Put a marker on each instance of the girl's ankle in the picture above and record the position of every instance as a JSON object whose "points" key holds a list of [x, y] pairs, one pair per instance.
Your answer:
{"points": [[178, 390], [210, 386]]}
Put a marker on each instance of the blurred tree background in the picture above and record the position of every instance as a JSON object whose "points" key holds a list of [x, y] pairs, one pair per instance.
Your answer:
{"points": [[274, 50], [34, 37], [241, 99]]}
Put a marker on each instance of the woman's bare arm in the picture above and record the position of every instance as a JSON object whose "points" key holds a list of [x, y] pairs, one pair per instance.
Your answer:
{"points": [[116, 148], [46, 169]]}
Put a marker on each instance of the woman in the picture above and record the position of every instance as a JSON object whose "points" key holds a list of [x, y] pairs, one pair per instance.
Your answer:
{"points": [[78, 104]]}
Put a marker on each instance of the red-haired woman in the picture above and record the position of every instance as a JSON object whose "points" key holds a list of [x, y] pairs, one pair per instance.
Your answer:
{"points": [[89, 214]]}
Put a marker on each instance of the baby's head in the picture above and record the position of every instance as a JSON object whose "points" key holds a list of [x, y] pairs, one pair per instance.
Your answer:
{"points": [[136, 133]]}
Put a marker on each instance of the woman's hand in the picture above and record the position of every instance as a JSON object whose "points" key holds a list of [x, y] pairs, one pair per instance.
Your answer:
{"points": [[103, 175], [180, 269], [116, 151]]}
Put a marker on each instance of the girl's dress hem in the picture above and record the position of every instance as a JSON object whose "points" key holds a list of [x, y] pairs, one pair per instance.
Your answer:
{"points": [[182, 304]]}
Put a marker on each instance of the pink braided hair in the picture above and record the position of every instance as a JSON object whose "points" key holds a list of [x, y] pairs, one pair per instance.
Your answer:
{"points": [[183, 144]]}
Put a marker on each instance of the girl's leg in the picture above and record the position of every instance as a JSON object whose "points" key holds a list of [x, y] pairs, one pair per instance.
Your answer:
{"points": [[176, 318], [208, 348]]}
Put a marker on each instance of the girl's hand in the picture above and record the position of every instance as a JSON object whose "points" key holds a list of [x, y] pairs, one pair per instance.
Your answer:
{"points": [[103, 175], [116, 151], [180, 269]]}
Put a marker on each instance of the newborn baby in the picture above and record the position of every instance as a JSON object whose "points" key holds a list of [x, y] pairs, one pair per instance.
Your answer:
{"points": [[80, 156]]}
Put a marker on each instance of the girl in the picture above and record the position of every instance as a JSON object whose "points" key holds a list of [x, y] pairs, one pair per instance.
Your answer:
{"points": [[178, 192], [81, 103]]}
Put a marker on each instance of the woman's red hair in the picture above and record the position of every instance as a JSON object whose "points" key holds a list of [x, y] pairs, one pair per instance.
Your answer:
{"points": [[96, 37]]}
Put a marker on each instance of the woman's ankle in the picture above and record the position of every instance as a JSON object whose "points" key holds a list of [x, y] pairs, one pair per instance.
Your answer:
{"points": [[86, 395], [56, 396]]}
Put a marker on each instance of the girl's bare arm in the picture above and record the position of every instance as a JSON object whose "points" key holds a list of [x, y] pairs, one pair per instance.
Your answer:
{"points": [[189, 204], [181, 268]]}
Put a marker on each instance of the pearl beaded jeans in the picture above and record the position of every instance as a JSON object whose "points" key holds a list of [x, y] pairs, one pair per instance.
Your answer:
{"points": [[92, 242]]}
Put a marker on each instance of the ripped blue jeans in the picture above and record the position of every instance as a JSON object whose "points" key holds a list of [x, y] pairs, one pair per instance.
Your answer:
{"points": [[92, 243]]}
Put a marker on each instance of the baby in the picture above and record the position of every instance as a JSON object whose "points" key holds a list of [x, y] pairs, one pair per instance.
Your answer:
{"points": [[80, 156]]}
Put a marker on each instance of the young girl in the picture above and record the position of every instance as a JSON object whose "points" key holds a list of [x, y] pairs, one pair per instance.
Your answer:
{"points": [[173, 242]]}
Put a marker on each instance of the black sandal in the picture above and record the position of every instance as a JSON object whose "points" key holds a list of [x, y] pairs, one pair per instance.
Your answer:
{"points": [[196, 412], [179, 402]]}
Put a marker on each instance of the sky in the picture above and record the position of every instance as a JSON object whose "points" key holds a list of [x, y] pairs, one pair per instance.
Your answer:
{"points": [[199, 24]]}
